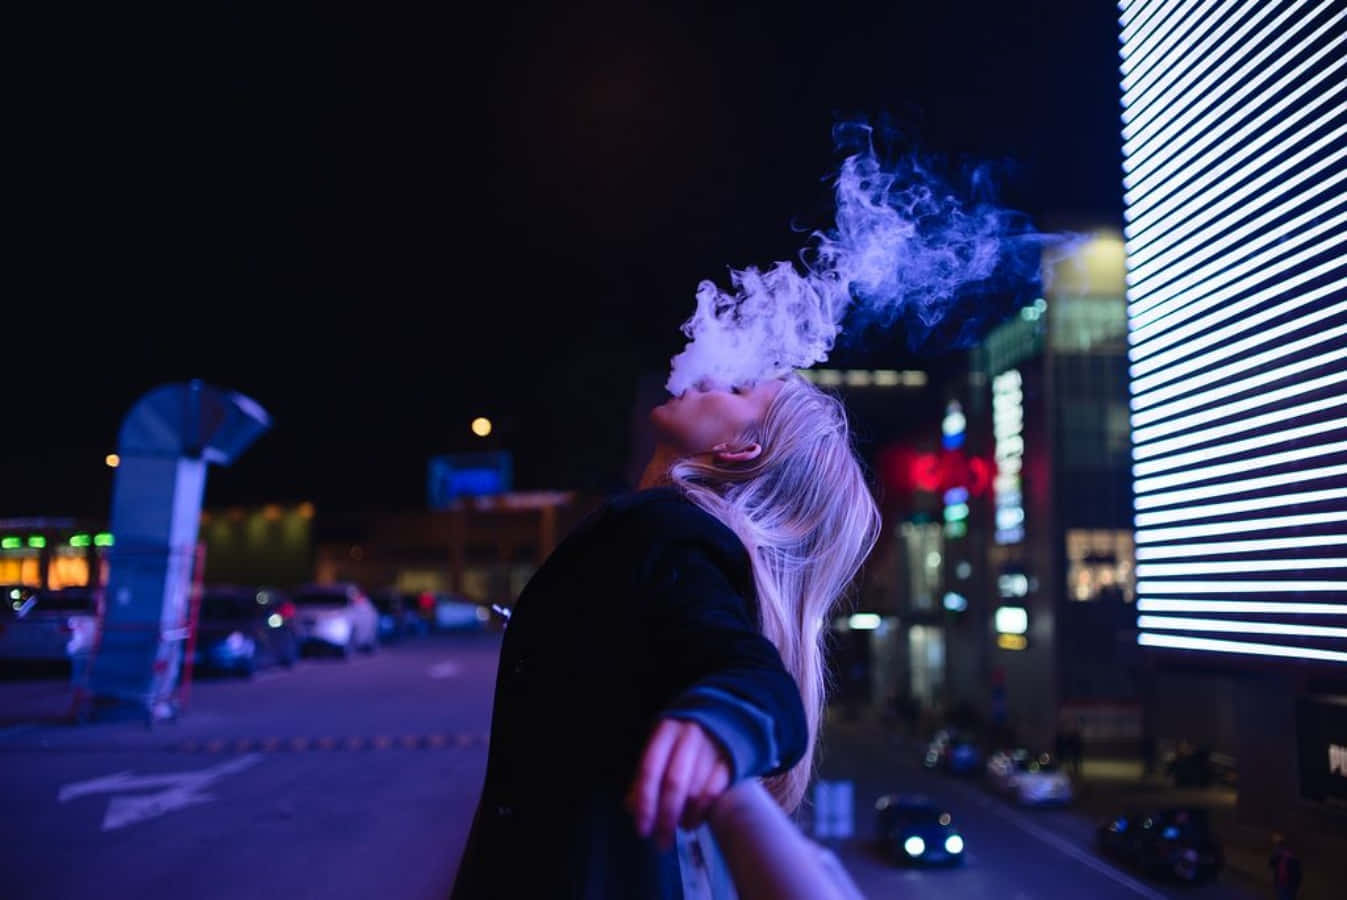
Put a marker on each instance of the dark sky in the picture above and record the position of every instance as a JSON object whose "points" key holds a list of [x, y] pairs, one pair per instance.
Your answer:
{"points": [[380, 221]]}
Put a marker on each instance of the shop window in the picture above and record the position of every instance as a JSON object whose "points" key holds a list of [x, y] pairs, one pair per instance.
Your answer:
{"points": [[21, 568], [67, 568]]}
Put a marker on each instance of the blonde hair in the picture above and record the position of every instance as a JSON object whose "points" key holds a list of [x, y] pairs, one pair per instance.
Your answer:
{"points": [[804, 511]]}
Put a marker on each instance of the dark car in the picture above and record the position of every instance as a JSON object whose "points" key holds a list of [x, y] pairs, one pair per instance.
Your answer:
{"points": [[47, 628], [1165, 843], [399, 615], [240, 630], [956, 752], [914, 830]]}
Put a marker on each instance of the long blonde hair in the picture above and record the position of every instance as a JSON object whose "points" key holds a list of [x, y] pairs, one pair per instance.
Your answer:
{"points": [[805, 513]]}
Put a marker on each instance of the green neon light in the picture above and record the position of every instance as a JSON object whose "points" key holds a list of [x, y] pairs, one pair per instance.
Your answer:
{"points": [[37, 542], [103, 539], [79, 540], [10, 543]]}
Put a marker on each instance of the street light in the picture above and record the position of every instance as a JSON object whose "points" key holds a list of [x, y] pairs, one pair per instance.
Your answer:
{"points": [[481, 426], [113, 460]]}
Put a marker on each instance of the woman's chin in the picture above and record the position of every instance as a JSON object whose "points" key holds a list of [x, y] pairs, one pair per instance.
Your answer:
{"points": [[661, 415]]}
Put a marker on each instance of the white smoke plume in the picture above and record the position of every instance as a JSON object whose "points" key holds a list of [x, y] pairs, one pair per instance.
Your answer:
{"points": [[905, 245]]}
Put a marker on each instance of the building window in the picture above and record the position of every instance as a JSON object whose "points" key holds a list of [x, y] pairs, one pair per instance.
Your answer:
{"points": [[924, 546], [68, 567], [21, 567], [926, 657], [1086, 324], [1100, 566]]}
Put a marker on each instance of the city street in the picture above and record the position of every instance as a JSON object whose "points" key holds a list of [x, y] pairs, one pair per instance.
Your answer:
{"points": [[357, 779], [1021, 854], [333, 779]]}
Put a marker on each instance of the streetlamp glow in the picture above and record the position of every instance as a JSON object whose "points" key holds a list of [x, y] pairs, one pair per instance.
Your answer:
{"points": [[481, 426], [113, 460]]}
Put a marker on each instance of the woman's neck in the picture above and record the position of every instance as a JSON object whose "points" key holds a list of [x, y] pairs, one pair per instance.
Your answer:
{"points": [[656, 472]]}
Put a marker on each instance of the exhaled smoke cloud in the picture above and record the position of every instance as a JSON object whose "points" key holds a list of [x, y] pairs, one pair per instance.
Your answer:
{"points": [[906, 246]]}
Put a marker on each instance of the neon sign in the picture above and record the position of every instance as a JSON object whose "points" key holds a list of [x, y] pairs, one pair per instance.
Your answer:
{"points": [[1008, 430]]}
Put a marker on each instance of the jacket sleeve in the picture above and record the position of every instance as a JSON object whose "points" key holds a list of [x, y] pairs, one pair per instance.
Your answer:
{"points": [[728, 677]]}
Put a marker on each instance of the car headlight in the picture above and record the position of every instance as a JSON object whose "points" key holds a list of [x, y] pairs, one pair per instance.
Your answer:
{"points": [[337, 629], [914, 846], [953, 844], [238, 644]]}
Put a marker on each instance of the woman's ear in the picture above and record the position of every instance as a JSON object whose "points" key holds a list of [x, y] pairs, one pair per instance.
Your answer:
{"points": [[729, 453]]}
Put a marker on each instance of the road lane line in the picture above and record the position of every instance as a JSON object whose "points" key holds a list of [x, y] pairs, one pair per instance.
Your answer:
{"points": [[1062, 844], [447, 669]]}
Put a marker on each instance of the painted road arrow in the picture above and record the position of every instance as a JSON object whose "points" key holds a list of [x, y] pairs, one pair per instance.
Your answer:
{"points": [[182, 789]]}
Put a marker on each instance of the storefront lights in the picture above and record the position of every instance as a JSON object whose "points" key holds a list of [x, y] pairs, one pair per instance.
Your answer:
{"points": [[1012, 620]]}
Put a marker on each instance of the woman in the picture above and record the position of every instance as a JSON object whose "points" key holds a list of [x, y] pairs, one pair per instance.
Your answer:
{"points": [[671, 647]]}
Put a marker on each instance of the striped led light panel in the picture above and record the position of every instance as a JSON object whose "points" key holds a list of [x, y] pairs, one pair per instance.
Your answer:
{"points": [[1234, 132]]}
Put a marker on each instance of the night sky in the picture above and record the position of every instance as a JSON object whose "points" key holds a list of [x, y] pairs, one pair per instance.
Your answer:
{"points": [[381, 221]]}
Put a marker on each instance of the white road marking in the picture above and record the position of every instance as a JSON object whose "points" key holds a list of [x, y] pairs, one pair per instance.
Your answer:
{"points": [[182, 789], [1062, 844], [446, 669]]}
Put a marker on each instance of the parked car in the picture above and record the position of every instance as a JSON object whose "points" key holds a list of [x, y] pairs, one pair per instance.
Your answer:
{"points": [[399, 615], [1032, 779], [454, 612], [240, 630], [1167, 843], [916, 831], [1191, 766], [956, 752], [39, 626], [338, 617]]}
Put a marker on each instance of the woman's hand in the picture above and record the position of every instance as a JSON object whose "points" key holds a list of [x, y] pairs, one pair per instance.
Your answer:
{"points": [[681, 774]]}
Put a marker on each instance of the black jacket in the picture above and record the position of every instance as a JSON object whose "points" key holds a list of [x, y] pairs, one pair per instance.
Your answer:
{"points": [[645, 611]]}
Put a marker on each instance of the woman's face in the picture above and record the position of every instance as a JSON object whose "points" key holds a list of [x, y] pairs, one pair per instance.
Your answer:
{"points": [[710, 417]]}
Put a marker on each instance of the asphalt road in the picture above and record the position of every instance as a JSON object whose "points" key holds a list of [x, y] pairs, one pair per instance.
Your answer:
{"points": [[1012, 853], [358, 779], [330, 780]]}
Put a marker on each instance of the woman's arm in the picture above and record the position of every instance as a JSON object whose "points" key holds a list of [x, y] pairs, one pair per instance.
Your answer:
{"points": [[728, 677], [737, 712], [768, 857]]}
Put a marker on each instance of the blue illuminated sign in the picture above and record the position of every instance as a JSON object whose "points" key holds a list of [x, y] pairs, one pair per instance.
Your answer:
{"points": [[456, 475]]}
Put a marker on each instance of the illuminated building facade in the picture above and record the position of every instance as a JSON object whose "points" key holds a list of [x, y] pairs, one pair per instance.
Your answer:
{"points": [[270, 545], [52, 553], [1042, 635], [484, 548], [1235, 162]]}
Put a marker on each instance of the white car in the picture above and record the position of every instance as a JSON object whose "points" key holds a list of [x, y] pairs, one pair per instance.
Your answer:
{"points": [[1031, 780], [338, 616]]}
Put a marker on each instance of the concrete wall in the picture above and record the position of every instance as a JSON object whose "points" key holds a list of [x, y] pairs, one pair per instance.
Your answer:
{"points": [[1195, 706]]}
